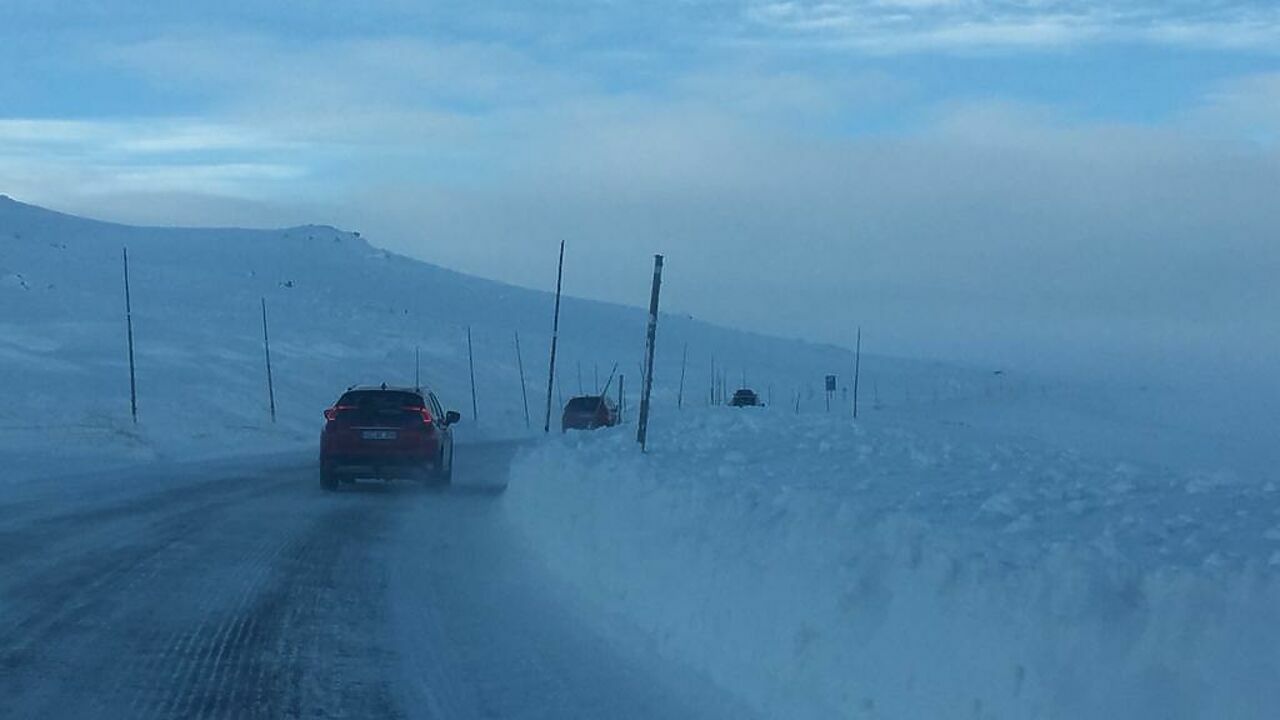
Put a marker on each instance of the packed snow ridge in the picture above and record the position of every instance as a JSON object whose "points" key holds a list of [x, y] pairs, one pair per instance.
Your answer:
{"points": [[822, 567]]}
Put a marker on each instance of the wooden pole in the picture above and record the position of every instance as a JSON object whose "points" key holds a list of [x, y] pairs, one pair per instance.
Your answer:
{"points": [[608, 383], [475, 407], [524, 395], [266, 347], [857, 368], [712, 395], [684, 358], [555, 334], [643, 427], [128, 316]]}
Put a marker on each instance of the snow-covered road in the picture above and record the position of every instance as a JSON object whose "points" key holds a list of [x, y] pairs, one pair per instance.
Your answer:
{"points": [[239, 589]]}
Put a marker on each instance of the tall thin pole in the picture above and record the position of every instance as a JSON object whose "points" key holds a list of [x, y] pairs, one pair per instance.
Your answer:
{"points": [[857, 367], [684, 358], [580, 390], [524, 395], [475, 408], [608, 383], [712, 400], [642, 430], [266, 346], [555, 335], [128, 316], [417, 368]]}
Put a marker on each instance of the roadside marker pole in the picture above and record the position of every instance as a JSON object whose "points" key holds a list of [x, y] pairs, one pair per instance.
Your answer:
{"points": [[642, 430], [857, 367], [128, 316], [559, 389], [712, 395], [684, 358], [266, 346], [608, 383], [475, 408], [524, 394], [555, 335]]}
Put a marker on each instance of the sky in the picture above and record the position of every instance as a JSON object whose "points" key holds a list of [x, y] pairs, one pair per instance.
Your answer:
{"points": [[1051, 185]]}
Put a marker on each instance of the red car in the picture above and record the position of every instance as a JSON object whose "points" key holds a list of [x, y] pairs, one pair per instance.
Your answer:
{"points": [[588, 412], [384, 432]]}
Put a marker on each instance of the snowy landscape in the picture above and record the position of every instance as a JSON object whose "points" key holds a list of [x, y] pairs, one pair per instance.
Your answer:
{"points": [[975, 544]]}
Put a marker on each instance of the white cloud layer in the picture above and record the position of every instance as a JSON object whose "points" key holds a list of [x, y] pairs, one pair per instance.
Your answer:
{"points": [[994, 231], [895, 26]]}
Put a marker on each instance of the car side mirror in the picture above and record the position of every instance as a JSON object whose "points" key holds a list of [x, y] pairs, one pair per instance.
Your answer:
{"points": [[451, 417]]}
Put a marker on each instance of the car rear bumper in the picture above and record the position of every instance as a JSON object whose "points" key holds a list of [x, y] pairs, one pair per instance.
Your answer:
{"points": [[381, 466]]}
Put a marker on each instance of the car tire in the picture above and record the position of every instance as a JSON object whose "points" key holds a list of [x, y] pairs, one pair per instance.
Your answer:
{"points": [[445, 475], [328, 479]]}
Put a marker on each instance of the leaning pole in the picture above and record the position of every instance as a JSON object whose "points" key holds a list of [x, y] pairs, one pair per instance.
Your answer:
{"points": [[555, 335], [643, 428]]}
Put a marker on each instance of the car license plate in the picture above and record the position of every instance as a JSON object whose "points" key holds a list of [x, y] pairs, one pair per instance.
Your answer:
{"points": [[378, 434]]}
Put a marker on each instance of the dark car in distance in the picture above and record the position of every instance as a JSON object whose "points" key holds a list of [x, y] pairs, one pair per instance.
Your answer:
{"points": [[745, 398], [386, 433], [588, 412]]}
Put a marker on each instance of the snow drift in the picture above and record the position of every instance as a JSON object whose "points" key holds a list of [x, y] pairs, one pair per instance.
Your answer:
{"points": [[821, 568]]}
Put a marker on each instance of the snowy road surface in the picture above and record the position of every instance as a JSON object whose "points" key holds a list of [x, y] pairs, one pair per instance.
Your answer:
{"points": [[242, 590]]}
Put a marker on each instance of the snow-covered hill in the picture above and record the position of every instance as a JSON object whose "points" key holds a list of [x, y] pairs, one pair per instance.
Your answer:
{"points": [[342, 311]]}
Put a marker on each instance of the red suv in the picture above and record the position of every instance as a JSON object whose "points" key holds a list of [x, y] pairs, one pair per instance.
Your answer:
{"points": [[384, 432]]}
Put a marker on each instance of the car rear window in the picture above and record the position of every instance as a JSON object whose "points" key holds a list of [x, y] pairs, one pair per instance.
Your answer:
{"points": [[584, 404], [380, 399]]}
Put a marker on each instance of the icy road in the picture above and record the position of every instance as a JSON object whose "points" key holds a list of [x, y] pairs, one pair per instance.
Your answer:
{"points": [[240, 589]]}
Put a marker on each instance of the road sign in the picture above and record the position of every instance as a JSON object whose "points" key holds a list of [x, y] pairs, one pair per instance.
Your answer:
{"points": [[831, 383]]}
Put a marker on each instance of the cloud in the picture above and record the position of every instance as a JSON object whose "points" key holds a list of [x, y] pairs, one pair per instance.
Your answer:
{"points": [[910, 26], [991, 230], [1000, 233]]}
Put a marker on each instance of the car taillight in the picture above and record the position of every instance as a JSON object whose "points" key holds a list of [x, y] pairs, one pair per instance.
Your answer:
{"points": [[332, 413], [426, 414]]}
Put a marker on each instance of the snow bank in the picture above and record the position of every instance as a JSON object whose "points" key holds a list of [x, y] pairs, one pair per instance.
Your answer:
{"points": [[819, 568]]}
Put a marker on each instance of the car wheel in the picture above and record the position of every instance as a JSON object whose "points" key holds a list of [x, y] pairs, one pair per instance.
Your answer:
{"points": [[328, 479], [445, 474]]}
